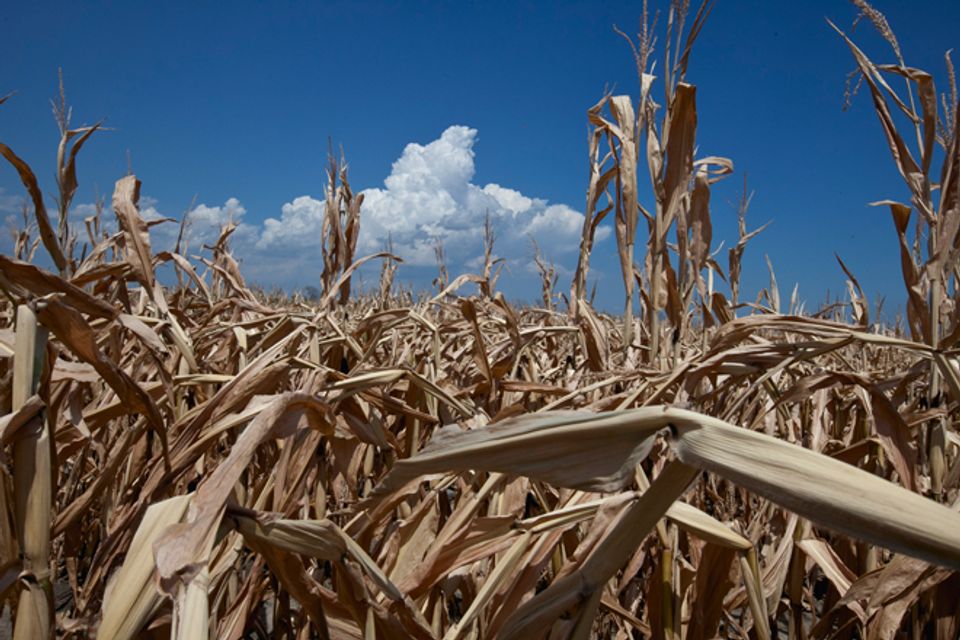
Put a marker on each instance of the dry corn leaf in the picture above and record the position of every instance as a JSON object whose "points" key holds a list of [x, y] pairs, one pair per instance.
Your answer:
{"points": [[574, 449], [29, 180], [22, 278], [706, 527], [832, 494], [572, 594], [315, 538], [132, 595], [126, 195], [833, 568], [19, 417], [183, 551], [74, 332]]}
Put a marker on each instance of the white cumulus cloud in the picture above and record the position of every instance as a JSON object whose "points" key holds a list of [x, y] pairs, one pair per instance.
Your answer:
{"points": [[300, 224], [430, 197]]}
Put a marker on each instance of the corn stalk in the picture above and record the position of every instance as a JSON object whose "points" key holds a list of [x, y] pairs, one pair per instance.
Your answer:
{"points": [[930, 276], [32, 477]]}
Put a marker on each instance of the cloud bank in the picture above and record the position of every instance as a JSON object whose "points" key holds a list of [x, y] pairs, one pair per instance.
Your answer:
{"points": [[430, 197]]}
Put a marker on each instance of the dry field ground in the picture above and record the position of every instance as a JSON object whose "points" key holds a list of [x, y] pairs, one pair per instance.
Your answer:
{"points": [[206, 460]]}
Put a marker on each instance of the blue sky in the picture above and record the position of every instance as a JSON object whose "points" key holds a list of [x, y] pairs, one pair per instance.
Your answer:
{"points": [[235, 106]]}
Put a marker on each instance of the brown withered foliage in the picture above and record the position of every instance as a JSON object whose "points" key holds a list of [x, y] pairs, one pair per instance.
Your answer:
{"points": [[207, 461]]}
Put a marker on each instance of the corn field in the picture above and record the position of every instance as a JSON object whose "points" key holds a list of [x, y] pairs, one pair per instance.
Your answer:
{"points": [[195, 458]]}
